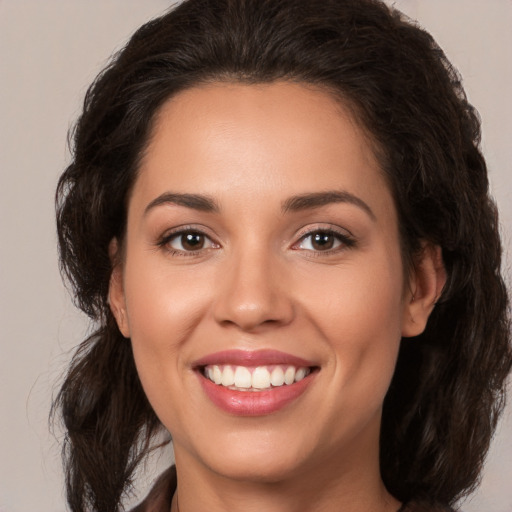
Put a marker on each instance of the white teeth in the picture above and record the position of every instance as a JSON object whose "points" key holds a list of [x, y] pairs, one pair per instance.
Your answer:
{"points": [[228, 376], [289, 375], [258, 378], [300, 374], [242, 377], [217, 375], [277, 376]]}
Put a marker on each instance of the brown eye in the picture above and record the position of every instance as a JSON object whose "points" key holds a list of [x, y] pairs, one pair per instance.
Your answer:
{"points": [[192, 241], [188, 241], [322, 241]]}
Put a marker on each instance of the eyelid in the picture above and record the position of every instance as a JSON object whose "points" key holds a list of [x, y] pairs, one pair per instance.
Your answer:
{"points": [[345, 237], [164, 240]]}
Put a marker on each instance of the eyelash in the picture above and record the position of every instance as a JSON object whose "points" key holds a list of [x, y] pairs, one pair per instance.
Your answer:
{"points": [[166, 239], [345, 240]]}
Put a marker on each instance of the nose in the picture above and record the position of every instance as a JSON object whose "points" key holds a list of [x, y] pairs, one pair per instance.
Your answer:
{"points": [[253, 294]]}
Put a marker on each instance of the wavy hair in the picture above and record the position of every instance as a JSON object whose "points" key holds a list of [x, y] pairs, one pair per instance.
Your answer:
{"points": [[448, 389]]}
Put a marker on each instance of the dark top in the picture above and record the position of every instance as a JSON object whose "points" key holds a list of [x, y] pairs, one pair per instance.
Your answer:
{"points": [[160, 497]]}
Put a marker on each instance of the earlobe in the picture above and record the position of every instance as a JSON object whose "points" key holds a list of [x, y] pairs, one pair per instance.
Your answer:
{"points": [[116, 296], [425, 286]]}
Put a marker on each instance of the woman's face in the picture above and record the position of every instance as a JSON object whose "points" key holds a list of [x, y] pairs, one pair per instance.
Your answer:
{"points": [[262, 284]]}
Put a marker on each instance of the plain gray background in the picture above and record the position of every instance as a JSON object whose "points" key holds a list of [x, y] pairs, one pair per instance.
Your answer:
{"points": [[49, 52]]}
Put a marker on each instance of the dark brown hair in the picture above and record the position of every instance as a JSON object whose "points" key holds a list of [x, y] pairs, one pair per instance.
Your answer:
{"points": [[448, 389]]}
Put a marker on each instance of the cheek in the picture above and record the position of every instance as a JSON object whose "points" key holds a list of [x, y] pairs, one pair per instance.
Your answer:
{"points": [[162, 304], [358, 298], [365, 331], [360, 319], [163, 309]]}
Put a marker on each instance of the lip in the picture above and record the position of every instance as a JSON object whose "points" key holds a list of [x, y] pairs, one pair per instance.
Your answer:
{"points": [[253, 403], [252, 358]]}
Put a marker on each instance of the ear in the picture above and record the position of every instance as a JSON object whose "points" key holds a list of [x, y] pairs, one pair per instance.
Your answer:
{"points": [[116, 296], [426, 283]]}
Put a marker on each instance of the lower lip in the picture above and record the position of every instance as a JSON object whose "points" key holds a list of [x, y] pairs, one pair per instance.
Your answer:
{"points": [[254, 403]]}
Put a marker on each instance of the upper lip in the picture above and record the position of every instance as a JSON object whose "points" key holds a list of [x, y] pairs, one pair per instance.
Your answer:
{"points": [[252, 358]]}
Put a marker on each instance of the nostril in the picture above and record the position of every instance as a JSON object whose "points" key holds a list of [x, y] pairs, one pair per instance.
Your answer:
{"points": [[252, 293], [253, 315]]}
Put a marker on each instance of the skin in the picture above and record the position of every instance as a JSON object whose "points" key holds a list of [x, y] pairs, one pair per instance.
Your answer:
{"points": [[259, 283]]}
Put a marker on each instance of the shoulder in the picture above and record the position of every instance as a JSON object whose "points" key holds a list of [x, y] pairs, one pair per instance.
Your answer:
{"points": [[160, 496]]}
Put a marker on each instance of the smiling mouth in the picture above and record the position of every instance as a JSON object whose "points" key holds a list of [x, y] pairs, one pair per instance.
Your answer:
{"points": [[255, 378], [254, 383]]}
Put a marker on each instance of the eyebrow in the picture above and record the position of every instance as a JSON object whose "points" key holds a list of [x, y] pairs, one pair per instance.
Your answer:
{"points": [[293, 204], [194, 201], [318, 199]]}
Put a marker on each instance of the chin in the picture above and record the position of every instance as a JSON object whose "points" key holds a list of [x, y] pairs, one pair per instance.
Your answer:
{"points": [[256, 460], [264, 470]]}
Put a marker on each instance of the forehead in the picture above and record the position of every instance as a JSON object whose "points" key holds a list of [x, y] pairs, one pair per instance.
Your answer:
{"points": [[266, 139], [283, 111]]}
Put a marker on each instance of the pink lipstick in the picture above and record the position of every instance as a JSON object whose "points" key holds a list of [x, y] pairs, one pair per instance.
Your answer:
{"points": [[254, 383]]}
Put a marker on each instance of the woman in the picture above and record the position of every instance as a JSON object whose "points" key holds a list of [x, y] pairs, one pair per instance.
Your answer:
{"points": [[278, 215]]}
